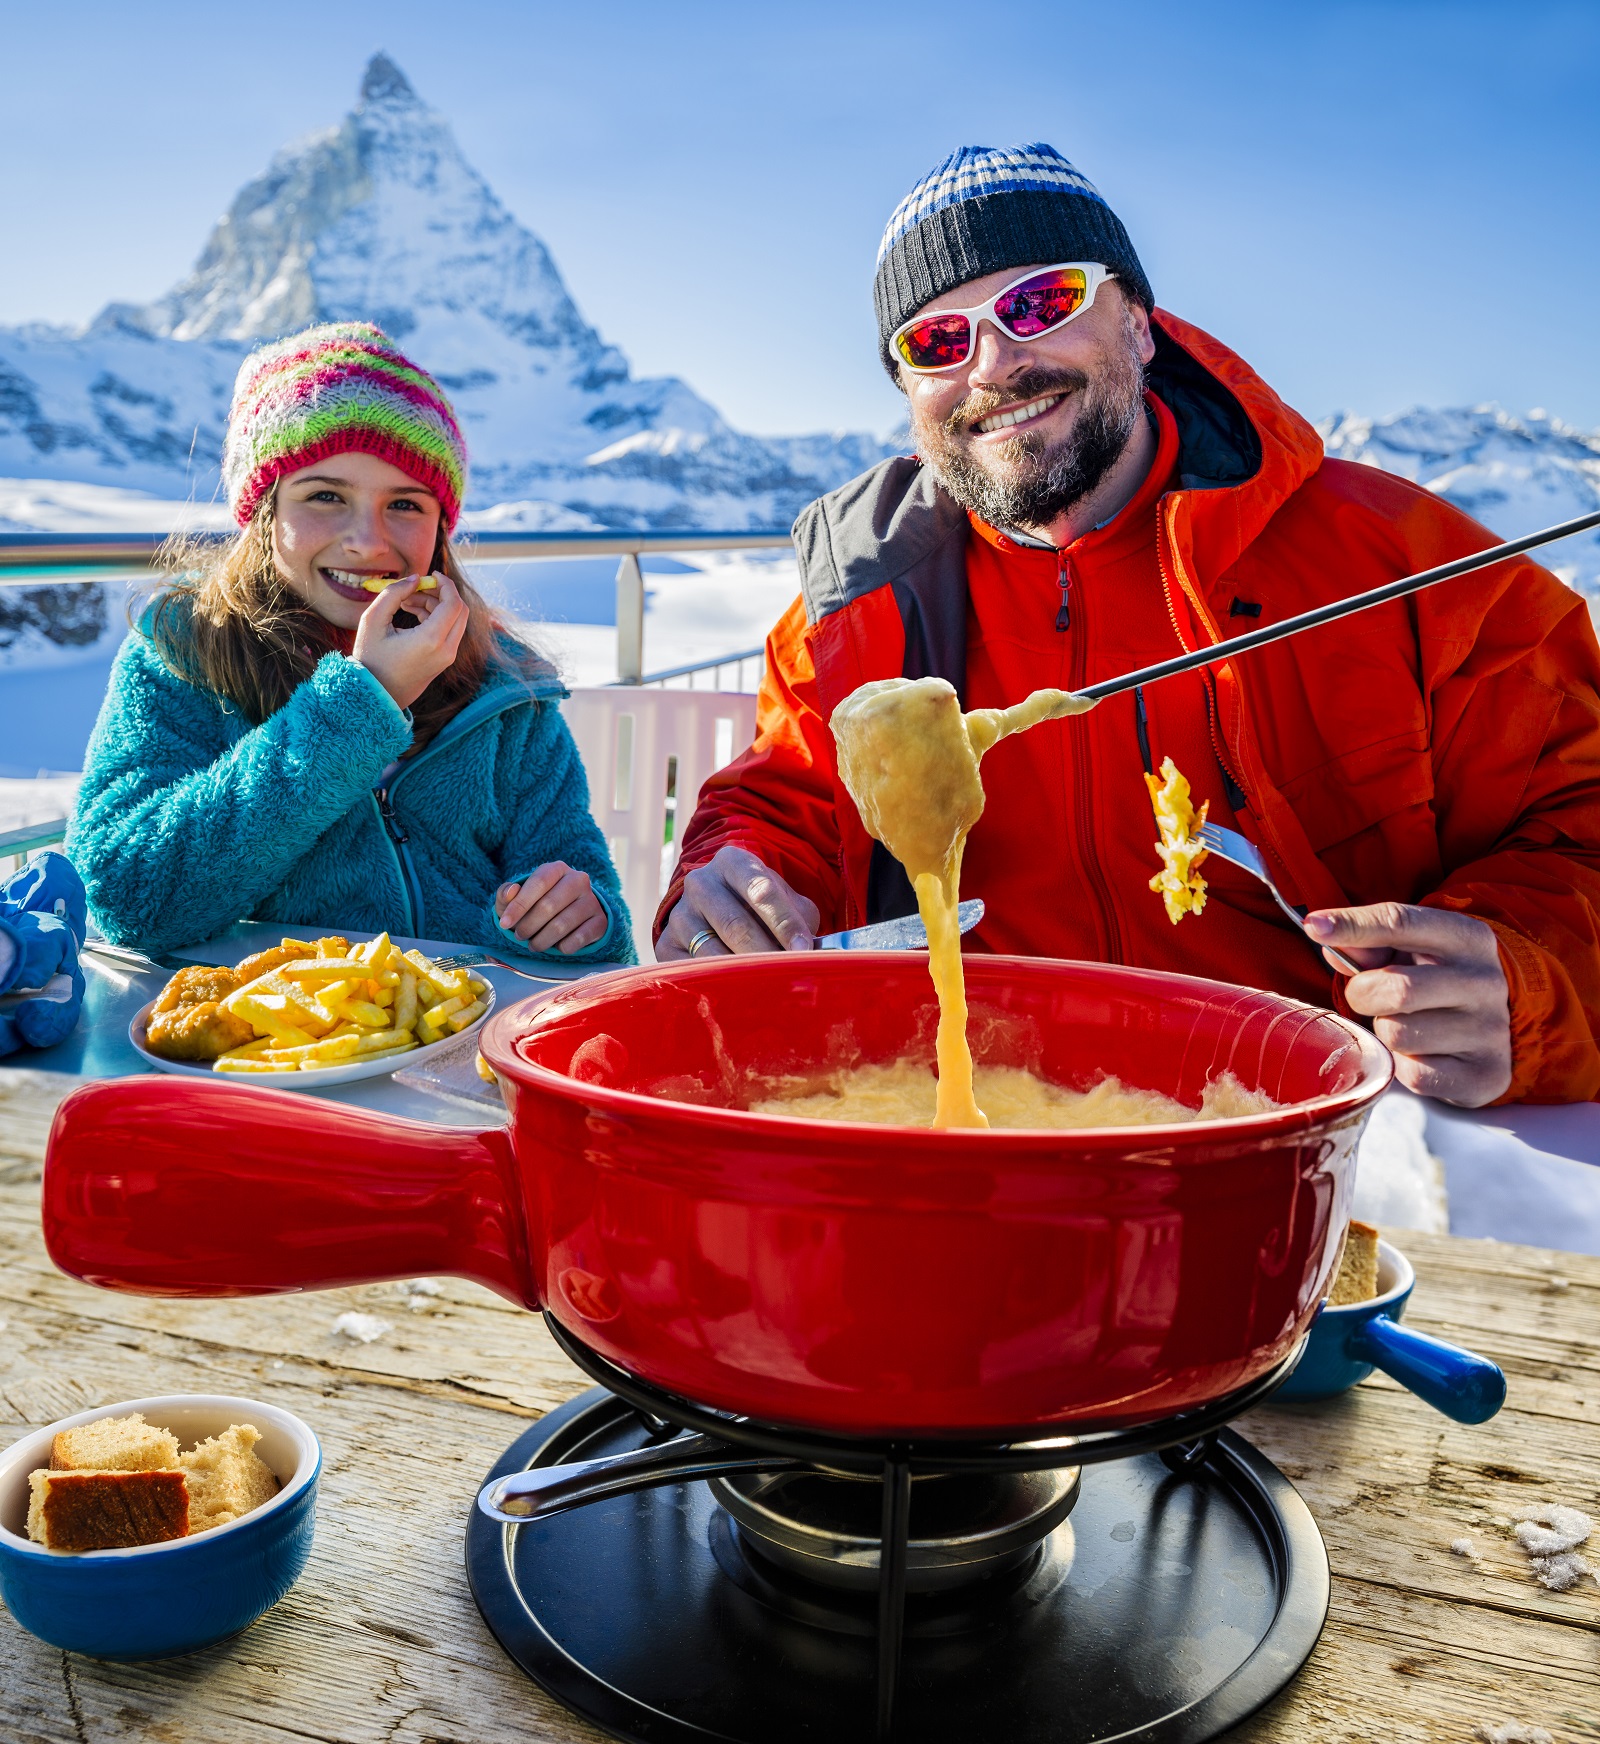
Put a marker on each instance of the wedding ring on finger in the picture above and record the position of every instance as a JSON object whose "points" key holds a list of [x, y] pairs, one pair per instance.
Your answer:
{"points": [[700, 938]]}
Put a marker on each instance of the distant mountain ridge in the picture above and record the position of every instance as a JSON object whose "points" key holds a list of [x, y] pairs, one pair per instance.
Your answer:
{"points": [[1514, 474], [381, 218]]}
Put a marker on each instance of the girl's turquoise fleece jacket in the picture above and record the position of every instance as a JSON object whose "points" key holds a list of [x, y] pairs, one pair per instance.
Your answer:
{"points": [[189, 818]]}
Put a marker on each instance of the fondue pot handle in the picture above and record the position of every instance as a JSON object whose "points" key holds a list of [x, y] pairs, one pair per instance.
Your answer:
{"points": [[1460, 1383], [176, 1187]]}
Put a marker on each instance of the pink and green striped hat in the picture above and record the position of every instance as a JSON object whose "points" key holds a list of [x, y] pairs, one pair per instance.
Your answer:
{"points": [[330, 390]]}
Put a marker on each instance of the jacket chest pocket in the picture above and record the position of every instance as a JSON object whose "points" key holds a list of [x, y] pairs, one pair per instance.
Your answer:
{"points": [[1358, 790]]}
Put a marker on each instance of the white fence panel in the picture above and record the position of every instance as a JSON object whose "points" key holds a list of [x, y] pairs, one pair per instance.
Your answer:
{"points": [[627, 738]]}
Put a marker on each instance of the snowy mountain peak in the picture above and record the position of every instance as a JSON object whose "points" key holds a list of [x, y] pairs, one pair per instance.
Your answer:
{"points": [[384, 82], [383, 219], [379, 219]]}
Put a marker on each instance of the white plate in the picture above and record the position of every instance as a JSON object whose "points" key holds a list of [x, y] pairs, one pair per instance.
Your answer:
{"points": [[324, 1077]]}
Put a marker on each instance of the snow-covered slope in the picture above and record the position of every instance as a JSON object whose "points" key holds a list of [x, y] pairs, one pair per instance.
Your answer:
{"points": [[1513, 474], [383, 219]]}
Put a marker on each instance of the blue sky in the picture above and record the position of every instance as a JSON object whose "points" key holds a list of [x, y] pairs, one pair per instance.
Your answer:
{"points": [[1379, 205]]}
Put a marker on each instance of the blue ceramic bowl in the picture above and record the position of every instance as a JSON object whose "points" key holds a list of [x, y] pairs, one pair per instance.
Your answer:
{"points": [[159, 1599], [1346, 1344]]}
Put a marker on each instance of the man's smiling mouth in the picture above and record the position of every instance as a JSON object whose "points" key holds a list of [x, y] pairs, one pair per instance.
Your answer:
{"points": [[1013, 415]]}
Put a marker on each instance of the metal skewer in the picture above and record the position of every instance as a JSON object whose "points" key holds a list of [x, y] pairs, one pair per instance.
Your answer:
{"points": [[1359, 602]]}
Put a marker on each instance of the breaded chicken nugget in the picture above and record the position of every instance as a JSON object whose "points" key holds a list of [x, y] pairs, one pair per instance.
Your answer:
{"points": [[187, 1023]]}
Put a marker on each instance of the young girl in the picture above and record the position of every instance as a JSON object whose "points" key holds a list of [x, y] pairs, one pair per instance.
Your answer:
{"points": [[324, 724]]}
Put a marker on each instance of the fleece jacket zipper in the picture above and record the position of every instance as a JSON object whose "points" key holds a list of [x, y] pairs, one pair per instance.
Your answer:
{"points": [[400, 847], [470, 718]]}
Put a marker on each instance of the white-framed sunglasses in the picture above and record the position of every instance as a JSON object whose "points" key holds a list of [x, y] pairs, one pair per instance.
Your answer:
{"points": [[1035, 304]]}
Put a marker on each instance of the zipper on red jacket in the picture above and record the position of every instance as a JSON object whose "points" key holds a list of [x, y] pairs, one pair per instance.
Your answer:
{"points": [[1082, 806], [1064, 582], [1229, 774]]}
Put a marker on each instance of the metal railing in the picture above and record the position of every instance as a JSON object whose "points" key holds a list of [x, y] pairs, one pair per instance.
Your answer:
{"points": [[716, 667], [16, 845], [44, 559]]}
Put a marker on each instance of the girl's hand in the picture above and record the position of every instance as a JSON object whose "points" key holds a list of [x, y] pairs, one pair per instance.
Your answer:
{"points": [[406, 662], [553, 907]]}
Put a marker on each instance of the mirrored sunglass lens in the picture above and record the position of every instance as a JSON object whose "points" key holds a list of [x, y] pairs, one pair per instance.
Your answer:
{"points": [[936, 343], [1038, 304]]}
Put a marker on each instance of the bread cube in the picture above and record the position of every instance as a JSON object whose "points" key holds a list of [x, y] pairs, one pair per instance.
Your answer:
{"points": [[115, 1444], [106, 1510], [227, 1478]]}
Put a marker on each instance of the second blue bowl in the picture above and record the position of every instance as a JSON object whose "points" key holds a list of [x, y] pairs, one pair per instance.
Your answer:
{"points": [[1346, 1344]]}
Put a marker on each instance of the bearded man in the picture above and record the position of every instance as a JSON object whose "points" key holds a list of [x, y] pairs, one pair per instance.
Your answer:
{"points": [[1099, 485]]}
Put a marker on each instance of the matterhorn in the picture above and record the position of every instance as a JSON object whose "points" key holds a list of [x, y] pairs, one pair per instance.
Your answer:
{"points": [[382, 219]]}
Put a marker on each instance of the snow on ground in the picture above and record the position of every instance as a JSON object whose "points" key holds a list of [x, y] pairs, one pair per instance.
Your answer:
{"points": [[30, 505]]}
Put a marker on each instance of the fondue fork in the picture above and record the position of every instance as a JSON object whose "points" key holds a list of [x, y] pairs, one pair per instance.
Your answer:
{"points": [[1216, 653], [1230, 845]]}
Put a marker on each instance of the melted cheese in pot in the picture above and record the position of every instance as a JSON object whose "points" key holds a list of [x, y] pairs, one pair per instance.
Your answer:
{"points": [[903, 1094]]}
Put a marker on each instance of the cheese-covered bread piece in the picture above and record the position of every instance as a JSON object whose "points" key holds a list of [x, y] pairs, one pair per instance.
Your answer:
{"points": [[227, 1478], [115, 1444], [106, 1510], [1357, 1279]]}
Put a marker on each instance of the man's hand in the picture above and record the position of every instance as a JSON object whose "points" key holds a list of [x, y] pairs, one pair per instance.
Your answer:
{"points": [[554, 907], [1431, 982], [744, 905]]}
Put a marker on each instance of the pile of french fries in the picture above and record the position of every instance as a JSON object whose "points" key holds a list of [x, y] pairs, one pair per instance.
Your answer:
{"points": [[378, 1002]]}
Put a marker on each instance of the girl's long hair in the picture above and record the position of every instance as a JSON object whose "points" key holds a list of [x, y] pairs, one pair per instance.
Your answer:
{"points": [[226, 621]]}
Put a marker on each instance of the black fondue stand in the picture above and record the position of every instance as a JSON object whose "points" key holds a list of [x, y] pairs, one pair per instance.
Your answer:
{"points": [[644, 1559]]}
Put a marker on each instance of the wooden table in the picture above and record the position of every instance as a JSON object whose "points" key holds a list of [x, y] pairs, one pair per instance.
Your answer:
{"points": [[380, 1642]]}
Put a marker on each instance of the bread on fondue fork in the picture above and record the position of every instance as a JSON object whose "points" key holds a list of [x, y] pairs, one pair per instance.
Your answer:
{"points": [[909, 759]]}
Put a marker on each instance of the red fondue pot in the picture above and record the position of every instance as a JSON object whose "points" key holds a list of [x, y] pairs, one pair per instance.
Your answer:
{"points": [[849, 1278]]}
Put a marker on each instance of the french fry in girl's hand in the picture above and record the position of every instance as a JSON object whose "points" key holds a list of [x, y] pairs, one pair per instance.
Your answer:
{"points": [[459, 1020]]}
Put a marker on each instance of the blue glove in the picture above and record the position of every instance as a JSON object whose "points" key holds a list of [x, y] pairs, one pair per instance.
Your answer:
{"points": [[43, 919]]}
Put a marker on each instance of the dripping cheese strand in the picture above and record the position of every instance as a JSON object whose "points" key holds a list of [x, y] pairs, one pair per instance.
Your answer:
{"points": [[909, 759]]}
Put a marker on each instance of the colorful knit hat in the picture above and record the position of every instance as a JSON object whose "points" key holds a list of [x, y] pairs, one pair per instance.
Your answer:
{"points": [[983, 210], [330, 390]]}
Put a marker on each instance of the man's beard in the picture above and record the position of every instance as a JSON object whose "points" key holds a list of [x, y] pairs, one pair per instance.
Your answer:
{"points": [[1032, 485]]}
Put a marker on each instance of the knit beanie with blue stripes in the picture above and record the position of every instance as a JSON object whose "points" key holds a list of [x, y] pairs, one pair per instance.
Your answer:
{"points": [[983, 210]]}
